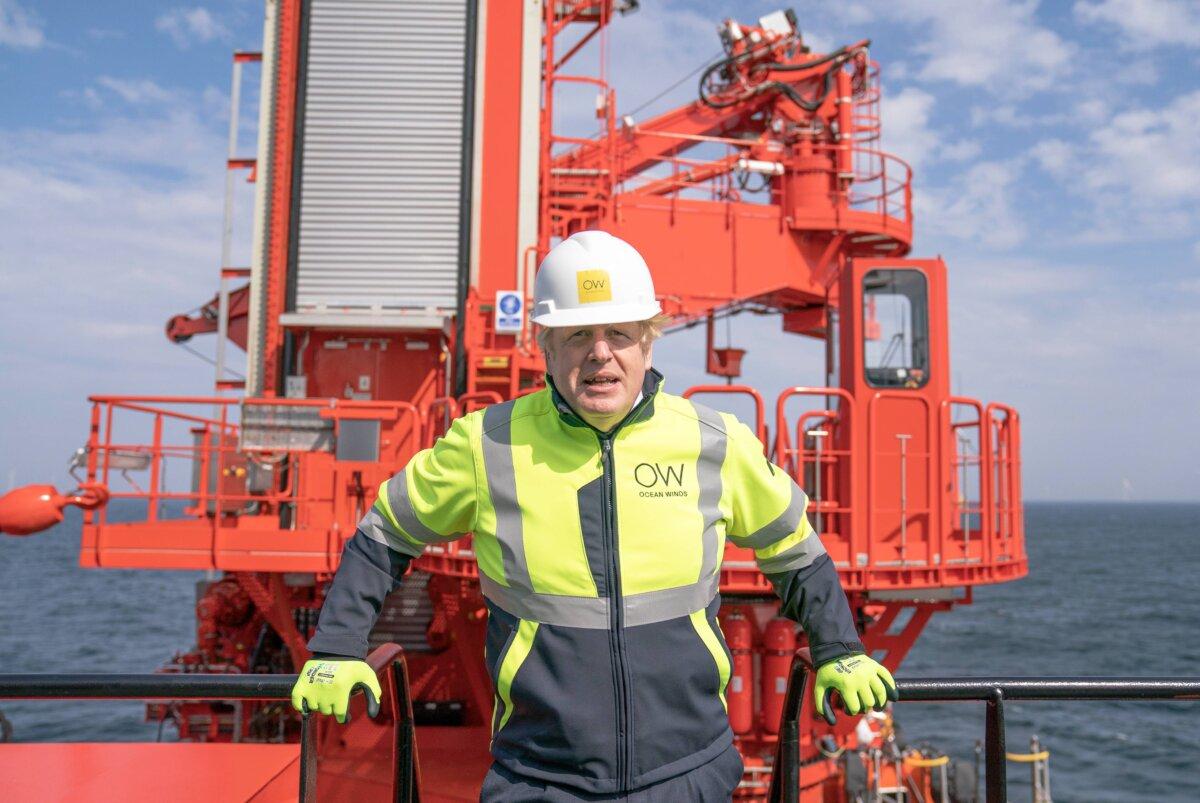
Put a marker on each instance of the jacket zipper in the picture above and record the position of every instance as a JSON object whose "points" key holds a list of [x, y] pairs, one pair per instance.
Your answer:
{"points": [[616, 616], [616, 613]]}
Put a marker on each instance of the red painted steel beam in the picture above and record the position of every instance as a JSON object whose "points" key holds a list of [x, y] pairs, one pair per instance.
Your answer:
{"points": [[284, 114]]}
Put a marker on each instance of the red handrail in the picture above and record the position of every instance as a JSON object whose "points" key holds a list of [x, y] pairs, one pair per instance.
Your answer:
{"points": [[760, 423], [467, 401], [448, 406]]}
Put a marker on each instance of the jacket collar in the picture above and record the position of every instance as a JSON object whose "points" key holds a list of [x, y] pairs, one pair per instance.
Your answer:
{"points": [[642, 409]]}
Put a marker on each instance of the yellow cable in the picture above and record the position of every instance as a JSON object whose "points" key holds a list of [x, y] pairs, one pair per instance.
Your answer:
{"points": [[927, 762], [1028, 758]]}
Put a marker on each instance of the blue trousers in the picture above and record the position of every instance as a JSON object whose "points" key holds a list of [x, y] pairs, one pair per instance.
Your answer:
{"points": [[713, 782]]}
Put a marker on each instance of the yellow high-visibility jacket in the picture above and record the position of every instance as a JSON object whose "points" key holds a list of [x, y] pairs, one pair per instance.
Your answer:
{"points": [[599, 556]]}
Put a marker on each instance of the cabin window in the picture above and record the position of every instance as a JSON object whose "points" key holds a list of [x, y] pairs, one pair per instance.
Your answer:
{"points": [[896, 328]]}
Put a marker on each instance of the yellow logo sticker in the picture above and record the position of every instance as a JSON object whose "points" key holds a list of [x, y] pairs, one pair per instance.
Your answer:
{"points": [[593, 286]]}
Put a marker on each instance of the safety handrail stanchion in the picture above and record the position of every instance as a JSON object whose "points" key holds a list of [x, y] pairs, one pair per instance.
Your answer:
{"points": [[785, 777], [308, 759], [996, 769], [406, 737]]}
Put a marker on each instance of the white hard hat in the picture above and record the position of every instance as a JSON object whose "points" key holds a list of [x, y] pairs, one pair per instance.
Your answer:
{"points": [[590, 278]]}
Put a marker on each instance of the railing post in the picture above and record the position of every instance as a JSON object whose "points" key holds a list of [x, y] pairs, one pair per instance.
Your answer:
{"points": [[819, 436], [156, 462], [405, 781], [997, 780], [785, 773], [1035, 775], [308, 759], [903, 498], [964, 444], [93, 450]]}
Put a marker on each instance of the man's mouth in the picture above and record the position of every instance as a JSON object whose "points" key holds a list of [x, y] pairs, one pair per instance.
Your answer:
{"points": [[600, 381]]}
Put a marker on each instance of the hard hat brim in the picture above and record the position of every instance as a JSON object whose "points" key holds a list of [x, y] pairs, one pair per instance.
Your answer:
{"points": [[603, 313]]}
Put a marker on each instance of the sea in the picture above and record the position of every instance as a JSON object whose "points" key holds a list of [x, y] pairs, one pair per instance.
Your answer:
{"points": [[1113, 589]]}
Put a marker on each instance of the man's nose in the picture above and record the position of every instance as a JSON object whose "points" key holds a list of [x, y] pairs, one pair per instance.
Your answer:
{"points": [[600, 350]]}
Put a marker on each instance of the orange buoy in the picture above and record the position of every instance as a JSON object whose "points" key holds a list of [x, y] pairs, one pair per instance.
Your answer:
{"points": [[34, 508]]}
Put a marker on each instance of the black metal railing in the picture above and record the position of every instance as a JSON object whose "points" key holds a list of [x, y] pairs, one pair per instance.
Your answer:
{"points": [[994, 692], [203, 687]]}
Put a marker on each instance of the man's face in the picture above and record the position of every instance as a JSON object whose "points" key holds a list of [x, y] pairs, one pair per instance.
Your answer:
{"points": [[598, 369]]}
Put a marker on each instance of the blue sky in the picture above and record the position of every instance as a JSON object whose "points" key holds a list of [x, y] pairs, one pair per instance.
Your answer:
{"points": [[1057, 171]]}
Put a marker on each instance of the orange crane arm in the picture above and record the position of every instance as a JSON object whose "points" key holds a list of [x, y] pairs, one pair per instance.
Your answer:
{"points": [[181, 328], [662, 137]]}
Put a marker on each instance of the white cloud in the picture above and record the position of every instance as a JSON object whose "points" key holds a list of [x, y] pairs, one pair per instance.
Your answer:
{"points": [[119, 330], [668, 39], [1139, 170], [102, 34], [19, 27], [1054, 156], [1091, 110], [188, 25], [111, 227], [1087, 111], [962, 150], [994, 44], [139, 91], [977, 205], [1141, 72], [1146, 23], [1154, 153], [1080, 353], [908, 134], [906, 130]]}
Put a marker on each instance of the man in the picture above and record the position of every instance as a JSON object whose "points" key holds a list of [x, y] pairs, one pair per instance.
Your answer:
{"points": [[600, 508]]}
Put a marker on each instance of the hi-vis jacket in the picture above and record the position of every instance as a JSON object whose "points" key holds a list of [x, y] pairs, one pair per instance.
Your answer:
{"points": [[599, 557]]}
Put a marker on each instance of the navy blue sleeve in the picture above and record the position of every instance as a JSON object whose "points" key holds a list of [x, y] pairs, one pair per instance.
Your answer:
{"points": [[813, 596], [369, 571]]}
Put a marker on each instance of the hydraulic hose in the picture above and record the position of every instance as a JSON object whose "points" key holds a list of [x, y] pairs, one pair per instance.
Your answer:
{"points": [[836, 58]]}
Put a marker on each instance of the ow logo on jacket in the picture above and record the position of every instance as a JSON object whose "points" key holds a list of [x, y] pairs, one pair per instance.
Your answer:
{"points": [[599, 557]]}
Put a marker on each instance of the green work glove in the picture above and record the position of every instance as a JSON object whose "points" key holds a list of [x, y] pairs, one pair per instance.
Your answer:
{"points": [[326, 685], [861, 682]]}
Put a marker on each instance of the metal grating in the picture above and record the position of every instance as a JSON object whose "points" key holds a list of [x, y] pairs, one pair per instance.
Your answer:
{"points": [[381, 159]]}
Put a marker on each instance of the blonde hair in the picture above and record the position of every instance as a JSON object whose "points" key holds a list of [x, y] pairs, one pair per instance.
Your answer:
{"points": [[652, 329]]}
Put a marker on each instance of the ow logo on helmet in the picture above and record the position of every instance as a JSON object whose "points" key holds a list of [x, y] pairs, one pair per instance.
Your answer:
{"points": [[594, 285]]}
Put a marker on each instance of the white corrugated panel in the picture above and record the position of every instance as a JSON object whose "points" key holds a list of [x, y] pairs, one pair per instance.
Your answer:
{"points": [[379, 203]]}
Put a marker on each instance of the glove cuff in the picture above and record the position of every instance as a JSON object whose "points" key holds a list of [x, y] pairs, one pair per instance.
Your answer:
{"points": [[831, 651]]}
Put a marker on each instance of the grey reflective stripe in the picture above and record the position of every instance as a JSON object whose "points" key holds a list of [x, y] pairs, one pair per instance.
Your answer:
{"points": [[550, 609], [592, 612], [401, 505], [708, 476], [380, 530], [502, 484], [669, 603], [794, 557], [784, 524]]}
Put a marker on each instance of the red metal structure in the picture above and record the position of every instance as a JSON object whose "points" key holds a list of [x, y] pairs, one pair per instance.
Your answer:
{"points": [[768, 192]]}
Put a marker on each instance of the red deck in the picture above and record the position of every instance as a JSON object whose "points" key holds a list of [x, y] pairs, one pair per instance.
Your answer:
{"points": [[453, 762], [204, 773]]}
